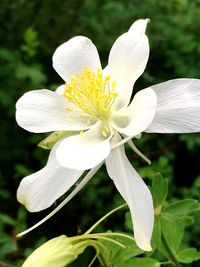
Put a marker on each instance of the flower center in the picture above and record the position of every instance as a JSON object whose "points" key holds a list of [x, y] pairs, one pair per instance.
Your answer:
{"points": [[93, 94]]}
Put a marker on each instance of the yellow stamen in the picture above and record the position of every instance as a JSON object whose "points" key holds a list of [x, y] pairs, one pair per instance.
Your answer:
{"points": [[93, 94], [68, 109]]}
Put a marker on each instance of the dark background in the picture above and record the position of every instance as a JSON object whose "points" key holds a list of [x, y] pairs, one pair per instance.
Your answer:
{"points": [[30, 32]]}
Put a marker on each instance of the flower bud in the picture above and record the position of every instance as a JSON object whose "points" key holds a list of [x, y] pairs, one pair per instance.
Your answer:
{"points": [[58, 251]]}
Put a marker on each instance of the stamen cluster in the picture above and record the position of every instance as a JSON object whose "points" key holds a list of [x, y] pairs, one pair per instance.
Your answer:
{"points": [[92, 93]]}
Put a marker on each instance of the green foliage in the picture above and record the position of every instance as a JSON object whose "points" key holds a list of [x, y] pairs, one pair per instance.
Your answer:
{"points": [[115, 255], [141, 262], [188, 255], [119, 249], [31, 42], [173, 223], [159, 190], [30, 32], [171, 220]]}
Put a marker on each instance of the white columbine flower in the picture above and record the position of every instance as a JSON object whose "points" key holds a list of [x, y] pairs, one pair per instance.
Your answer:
{"points": [[95, 105]]}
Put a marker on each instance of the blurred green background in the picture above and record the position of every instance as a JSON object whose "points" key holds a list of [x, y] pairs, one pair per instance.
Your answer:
{"points": [[30, 32]]}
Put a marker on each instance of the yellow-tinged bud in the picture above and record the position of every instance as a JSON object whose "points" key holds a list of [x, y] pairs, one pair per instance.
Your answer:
{"points": [[53, 138], [58, 251]]}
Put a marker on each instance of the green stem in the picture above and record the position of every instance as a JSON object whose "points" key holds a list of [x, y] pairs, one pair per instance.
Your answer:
{"points": [[112, 241], [97, 235], [114, 234], [93, 260], [96, 245], [101, 236], [170, 252], [103, 218]]}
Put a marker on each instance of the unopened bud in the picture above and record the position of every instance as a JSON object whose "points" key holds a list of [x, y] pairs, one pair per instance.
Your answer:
{"points": [[58, 251]]}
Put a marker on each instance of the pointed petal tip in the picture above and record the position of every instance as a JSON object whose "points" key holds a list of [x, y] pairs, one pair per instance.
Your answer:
{"points": [[139, 26], [145, 247], [142, 240], [131, 52]]}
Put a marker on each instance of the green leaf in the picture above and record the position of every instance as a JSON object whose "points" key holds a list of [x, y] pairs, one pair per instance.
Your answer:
{"points": [[156, 237], [174, 218], [30, 41], [7, 219], [188, 255], [128, 221], [115, 254], [183, 207], [173, 229], [159, 190], [33, 72], [140, 262]]}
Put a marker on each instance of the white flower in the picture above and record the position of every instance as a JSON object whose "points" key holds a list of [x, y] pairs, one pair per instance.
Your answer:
{"points": [[95, 105]]}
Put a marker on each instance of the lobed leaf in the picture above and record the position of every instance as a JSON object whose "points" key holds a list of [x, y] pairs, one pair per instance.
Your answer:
{"points": [[188, 255]]}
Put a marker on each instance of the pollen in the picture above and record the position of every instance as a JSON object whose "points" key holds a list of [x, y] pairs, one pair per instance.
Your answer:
{"points": [[93, 94]]}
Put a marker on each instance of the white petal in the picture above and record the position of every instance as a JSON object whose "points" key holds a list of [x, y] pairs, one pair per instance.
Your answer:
{"points": [[44, 111], [127, 60], [136, 194], [178, 108], [39, 190], [139, 26], [84, 151], [134, 119], [70, 58], [60, 89]]}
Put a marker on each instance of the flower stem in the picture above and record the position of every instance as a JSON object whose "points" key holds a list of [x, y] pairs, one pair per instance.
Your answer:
{"points": [[102, 236], [98, 247], [104, 217], [112, 241], [172, 257], [114, 234]]}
